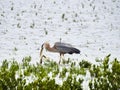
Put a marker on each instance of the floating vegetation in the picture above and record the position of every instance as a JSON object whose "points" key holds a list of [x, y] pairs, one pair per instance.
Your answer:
{"points": [[46, 32], [2, 15], [15, 49], [82, 5], [32, 25], [18, 25], [11, 8], [66, 32], [63, 16]]}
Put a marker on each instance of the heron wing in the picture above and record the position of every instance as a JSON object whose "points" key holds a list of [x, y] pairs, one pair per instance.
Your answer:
{"points": [[63, 44], [65, 48]]}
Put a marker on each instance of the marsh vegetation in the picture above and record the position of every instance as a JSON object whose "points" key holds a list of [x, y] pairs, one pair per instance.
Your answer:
{"points": [[66, 76]]}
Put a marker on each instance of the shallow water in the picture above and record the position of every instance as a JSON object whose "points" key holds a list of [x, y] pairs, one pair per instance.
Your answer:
{"points": [[90, 25]]}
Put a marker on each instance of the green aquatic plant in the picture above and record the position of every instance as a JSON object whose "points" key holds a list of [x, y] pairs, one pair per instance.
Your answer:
{"points": [[85, 64], [72, 84], [63, 16], [105, 76], [27, 76], [32, 25]]}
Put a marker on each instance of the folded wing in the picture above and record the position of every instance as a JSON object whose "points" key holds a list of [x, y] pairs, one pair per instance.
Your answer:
{"points": [[65, 48]]}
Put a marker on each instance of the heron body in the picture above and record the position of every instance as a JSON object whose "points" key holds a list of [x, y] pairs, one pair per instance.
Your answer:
{"points": [[61, 48]]}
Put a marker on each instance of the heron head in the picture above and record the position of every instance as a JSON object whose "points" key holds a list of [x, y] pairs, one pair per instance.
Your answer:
{"points": [[44, 45]]}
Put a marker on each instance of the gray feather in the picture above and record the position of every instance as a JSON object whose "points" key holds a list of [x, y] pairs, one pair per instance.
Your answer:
{"points": [[65, 48], [63, 44]]}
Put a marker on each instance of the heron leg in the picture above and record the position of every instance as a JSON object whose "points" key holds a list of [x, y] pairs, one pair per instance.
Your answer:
{"points": [[41, 56], [61, 57]]}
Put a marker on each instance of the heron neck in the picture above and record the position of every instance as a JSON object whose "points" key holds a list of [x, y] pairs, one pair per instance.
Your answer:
{"points": [[50, 49]]}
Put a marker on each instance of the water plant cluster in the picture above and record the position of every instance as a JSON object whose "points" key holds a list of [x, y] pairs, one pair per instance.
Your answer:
{"points": [[46, 76]]}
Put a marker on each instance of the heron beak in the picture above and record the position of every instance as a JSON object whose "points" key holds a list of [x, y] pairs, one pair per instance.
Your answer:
{"points": [[41, 50], [41, 53]]}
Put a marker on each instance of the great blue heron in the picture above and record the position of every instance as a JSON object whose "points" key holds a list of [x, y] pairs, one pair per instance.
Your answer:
{"points": [[59, 47]]}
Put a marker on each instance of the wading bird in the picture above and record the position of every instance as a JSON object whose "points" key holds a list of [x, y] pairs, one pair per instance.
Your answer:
{"points": [[58, 47]]}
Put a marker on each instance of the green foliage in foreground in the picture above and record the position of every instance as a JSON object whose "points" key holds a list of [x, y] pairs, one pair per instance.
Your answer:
{"points": [[105, 76], [27, 76]]}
